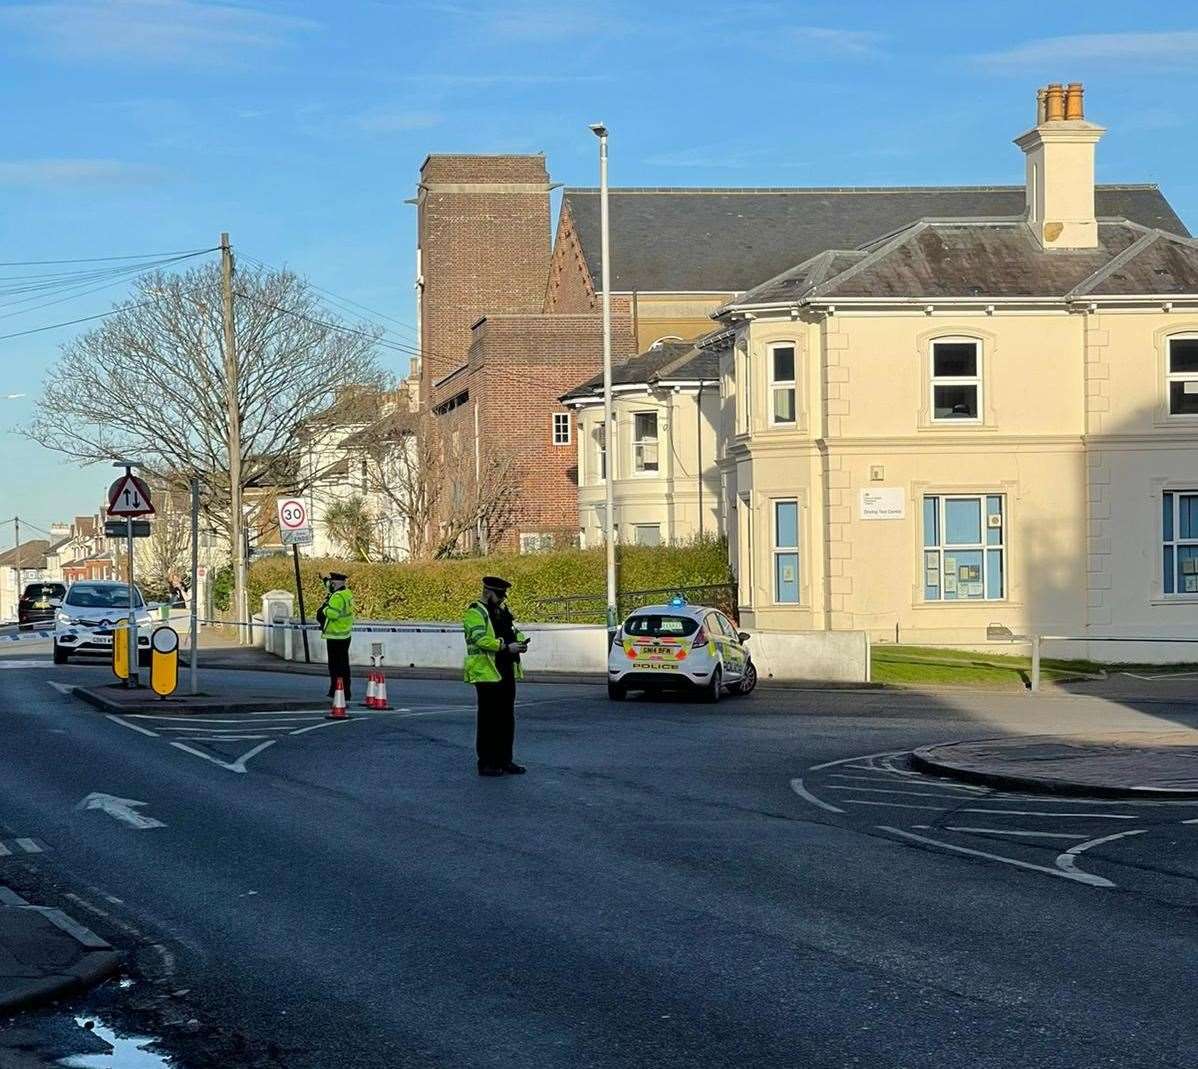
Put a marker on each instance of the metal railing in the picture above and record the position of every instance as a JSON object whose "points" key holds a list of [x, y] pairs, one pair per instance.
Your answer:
{"points": [[1037, 640], [592, 608]]}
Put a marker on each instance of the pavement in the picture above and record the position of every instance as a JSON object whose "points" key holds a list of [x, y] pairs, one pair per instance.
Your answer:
{"points": [[46, 954], [766, 882], [1157, 764]]}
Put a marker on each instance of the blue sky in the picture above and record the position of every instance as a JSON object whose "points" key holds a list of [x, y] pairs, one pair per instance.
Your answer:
{"points": [[138, 126]]}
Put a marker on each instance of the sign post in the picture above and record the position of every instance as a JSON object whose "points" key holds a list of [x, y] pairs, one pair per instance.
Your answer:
{"points": [[295, 528], [128, 498]]}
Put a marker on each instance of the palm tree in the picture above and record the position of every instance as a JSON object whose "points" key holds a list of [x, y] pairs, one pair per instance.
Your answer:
{"points": [[354, 528]]}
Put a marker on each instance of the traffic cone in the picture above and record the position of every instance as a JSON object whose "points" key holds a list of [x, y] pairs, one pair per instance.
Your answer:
{"points": [[337, 712], [371, 693], [380, 691]]}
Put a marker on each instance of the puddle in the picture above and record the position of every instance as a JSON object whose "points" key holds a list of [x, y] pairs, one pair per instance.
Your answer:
{"points": [[127, 1051]]}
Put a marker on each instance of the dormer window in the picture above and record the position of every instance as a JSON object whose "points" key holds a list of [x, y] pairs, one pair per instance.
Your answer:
{"points": [[1182, 375], [956, 380]]}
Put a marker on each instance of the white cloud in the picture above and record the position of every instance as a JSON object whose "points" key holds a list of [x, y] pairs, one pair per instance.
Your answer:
{"points": [[152, 31], [829, 41], [75, 172], [1156, 48]]}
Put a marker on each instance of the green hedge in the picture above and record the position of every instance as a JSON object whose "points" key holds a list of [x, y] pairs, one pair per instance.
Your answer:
{"points": [[440, 590]]}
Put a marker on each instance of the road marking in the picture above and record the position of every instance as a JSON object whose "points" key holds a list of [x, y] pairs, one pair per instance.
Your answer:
{"points": [[859, 757], [122, 809], [324, 724], [1066, 862], [207, 720], [4, 850], [1001, 812], [1163, 675], [1080, 877], [23, 664], [29, 846], [231, 766], [893, 790], [132, 727], [796, 785], [62, 688], [1005, 831]]}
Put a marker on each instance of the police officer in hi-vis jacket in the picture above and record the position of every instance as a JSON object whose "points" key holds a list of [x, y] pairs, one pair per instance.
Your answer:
{"points": [[336, 619], [493, 649]]}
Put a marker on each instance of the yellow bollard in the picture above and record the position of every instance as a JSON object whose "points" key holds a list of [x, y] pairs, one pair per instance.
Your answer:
{"points": [[164, 660], [120, 649]]}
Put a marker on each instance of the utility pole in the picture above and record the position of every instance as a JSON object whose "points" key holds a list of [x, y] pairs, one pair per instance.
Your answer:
{"points": [[195, 580], [233, 419], [609, 435], [16, 527]]}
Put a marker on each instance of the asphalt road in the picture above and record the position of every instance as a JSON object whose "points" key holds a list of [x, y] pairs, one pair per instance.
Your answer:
{"points": [[657, 891]]}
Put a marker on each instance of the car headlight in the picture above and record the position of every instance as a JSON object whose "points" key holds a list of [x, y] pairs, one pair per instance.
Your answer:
{"points": [[62, 619]]}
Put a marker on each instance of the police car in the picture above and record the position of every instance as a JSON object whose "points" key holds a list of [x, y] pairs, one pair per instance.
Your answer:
{"points": [[87, 618], [679, 647]]}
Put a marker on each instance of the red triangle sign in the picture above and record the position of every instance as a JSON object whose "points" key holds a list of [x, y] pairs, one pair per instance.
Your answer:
{"points": [[129, 496]]}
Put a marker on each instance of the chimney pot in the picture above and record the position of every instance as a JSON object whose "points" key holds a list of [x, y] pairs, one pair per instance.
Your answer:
{"points": [[1056, 102], [1074, 106], [1041, 106]]}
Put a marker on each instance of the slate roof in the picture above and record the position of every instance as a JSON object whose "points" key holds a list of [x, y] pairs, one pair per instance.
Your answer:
{"points": [[727, 240], [997, 258], [667, 361], [395, 425], [29, 555]]}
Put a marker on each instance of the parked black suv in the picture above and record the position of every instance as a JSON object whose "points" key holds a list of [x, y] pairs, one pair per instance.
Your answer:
{"points": [[38, 603]]}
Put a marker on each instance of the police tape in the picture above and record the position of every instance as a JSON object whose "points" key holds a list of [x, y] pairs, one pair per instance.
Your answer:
{"points": [[76, 627], [383, 629]]}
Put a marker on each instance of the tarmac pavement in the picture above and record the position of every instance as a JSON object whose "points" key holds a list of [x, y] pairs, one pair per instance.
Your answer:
{"points": [[656, 891]]}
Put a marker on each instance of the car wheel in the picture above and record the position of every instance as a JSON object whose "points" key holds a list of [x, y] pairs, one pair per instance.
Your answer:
{"points": [[715, 688], [61, 656], [748, 680], [616, 692]]}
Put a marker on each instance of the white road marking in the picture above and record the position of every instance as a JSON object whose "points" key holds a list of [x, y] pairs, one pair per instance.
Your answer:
{"points": [[1066, 862], [231, 766], [132, 727], [23, 664], [62, 688], [1080, 877], [230, 738], [208, 720], [4, 850], [122, 809], [894, 790], [926, 783], [1005, 831], [893, 805], [796, 785], [1163, 675], [859, 757], [29, 846], [1000, 812], [324, 724]]}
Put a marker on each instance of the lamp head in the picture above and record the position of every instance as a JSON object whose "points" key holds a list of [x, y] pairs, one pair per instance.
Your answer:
{"points": [[598, 129]]}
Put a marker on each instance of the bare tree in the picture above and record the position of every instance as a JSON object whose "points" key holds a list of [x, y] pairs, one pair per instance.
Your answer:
{"points": [[164, 558], [432, 481], [149, 384]]}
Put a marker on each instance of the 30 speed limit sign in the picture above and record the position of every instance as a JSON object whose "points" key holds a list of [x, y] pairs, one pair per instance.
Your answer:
{"points": [[294, 523]]}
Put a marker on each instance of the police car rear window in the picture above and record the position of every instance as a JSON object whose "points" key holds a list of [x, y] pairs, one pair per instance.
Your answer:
{"points": [[656, 626]]}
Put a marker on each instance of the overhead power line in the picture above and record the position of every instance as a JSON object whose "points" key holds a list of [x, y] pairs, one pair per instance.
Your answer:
{"points": [[104, 259]]}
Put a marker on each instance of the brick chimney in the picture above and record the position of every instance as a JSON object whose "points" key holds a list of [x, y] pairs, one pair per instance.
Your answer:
{"points": [[483, 233], [1060, 169]]}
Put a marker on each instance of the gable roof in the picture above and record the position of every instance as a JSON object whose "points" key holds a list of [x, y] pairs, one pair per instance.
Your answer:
{"points": [[993, 258], [29, 555], [727, 240], [668, 361]]}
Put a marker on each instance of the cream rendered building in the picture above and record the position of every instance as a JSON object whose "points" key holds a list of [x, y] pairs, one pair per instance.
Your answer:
{"points": [[666, 480], [974, 422]]}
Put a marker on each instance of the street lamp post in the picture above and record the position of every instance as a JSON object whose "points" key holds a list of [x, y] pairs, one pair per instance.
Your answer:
{"points": [[609, 437]]}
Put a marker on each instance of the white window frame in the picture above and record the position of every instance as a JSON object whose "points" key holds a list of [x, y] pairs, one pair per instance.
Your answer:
{"points": [[561, 428], [781, 385], [1180, 376], [599, 440], [1172, 541], [638, 527], [983, 547], [776, 551], [974, 380], [535, 542], [638, 444]]}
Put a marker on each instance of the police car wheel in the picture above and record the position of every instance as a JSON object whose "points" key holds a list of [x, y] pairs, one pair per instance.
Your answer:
{"points": [[616, 692], [713, 691], [61, 656], [749, 680]]}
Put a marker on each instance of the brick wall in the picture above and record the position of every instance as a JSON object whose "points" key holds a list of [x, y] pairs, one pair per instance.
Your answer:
{"points": [[519, 366], [483, 229]]}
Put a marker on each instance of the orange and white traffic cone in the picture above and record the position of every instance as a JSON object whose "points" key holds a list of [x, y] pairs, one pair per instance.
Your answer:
{"points": [[337, 712], [371, 692], [380, 691]]}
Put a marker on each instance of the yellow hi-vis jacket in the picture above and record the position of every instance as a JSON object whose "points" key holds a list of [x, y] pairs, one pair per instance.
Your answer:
{"points": [[481, 646]]}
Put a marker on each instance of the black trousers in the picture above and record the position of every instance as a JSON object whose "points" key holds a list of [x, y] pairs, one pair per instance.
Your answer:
{"points": [[338, 664], [496, 726]]}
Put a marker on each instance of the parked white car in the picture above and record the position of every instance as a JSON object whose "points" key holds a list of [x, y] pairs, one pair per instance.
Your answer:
{"points": [[679, 647], [85, 620]]}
